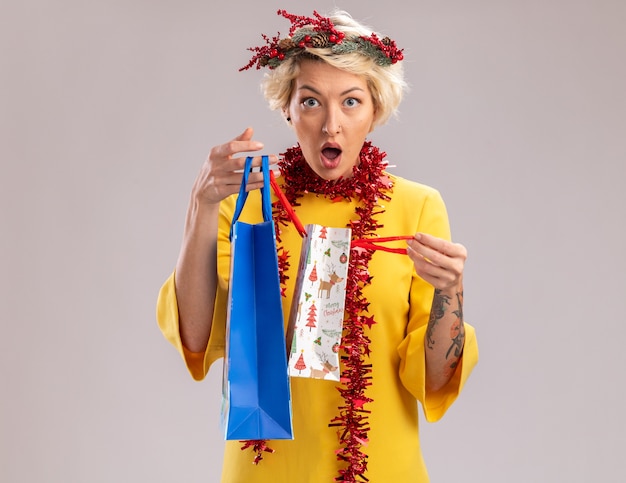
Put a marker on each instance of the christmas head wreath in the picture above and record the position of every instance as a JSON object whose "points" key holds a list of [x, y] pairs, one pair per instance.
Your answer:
{"points": [[319, 32]]}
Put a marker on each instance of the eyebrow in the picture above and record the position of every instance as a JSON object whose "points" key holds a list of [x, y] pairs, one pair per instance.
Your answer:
{"points": [[347, 91]]}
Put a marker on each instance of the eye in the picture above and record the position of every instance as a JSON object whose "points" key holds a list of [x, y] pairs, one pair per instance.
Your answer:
{"points": [[351, 102], [310, 102]]}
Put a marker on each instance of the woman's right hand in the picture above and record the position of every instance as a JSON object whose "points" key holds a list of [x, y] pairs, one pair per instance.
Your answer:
{"points": [[221, 173], [196, 270]]}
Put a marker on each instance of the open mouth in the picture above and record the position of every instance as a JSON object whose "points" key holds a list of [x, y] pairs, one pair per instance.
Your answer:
{"points": [[331, 153]]}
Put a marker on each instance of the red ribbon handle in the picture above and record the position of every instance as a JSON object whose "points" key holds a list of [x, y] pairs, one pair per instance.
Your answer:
{"points": [[373, 243], [367, 243], [288, 208]]}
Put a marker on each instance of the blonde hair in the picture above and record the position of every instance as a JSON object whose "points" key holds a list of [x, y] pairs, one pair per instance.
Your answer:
{"points": [[386, 83]]}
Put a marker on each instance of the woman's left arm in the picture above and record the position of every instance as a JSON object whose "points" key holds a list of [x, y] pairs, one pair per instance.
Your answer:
{"points": [[440, 263]]}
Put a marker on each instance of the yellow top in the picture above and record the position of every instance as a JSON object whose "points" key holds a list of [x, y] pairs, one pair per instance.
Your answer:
{"points": [[400, 302]]}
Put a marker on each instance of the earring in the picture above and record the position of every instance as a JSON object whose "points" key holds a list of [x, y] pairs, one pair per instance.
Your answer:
{"points": [[288, 119]]}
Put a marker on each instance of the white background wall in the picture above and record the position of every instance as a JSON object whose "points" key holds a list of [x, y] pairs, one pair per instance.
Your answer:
{"points": [[107, 109]]}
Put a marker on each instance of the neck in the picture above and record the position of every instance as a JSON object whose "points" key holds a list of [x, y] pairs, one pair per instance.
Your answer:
{"points": [[367, 178]]}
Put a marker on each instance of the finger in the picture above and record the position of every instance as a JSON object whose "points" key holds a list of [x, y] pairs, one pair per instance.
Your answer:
{"points": [[233, 178], [440, 244], [431, 246], [254, 186], [438, 277], [256, 180], [436, 263], [238, 164], [424, 268], [430, 255], [424, 264], [230, 178], [240, 144], [246, 135], [257, 161]]}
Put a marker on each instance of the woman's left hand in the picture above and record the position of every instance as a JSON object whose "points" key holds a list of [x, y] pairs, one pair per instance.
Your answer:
{"points": [[438, 261]]}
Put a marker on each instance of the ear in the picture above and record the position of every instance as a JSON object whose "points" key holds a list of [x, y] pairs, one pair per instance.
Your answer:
{"points": [[287, 116]]}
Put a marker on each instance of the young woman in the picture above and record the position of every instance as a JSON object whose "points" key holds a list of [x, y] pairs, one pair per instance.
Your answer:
{"points": [[334, 81]]}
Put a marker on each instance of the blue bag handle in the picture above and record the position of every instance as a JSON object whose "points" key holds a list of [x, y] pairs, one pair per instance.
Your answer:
{"points": [[266, 200]]}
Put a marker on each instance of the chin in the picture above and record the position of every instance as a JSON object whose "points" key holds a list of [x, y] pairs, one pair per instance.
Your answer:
{"points": [[334, 174]]}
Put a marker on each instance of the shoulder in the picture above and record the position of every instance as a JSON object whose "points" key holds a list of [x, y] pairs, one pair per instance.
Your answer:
{"points": [[411, 191], [420, 207]]}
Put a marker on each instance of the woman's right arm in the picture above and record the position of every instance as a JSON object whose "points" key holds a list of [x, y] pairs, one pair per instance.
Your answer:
{"points": [[196, 269], [196, 274]]}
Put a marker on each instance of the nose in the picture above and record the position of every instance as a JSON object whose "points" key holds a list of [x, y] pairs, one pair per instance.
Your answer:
{"points": [[332, 123]]}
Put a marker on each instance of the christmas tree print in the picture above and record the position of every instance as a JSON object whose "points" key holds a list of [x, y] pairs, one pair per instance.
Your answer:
{"points": [[322, 234], [300, 363], [311, 317], [313, 274]]}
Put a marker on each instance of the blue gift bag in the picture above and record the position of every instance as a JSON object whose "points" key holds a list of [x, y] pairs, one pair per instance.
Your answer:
{"points": [[256, 392]]}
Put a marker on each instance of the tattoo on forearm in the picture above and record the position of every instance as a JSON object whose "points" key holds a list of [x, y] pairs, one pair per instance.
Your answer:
{"points": [[457, 331], [436, 314]]}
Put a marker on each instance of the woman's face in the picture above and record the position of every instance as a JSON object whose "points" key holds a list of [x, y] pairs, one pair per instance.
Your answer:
{"points": [[332, 112]]}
